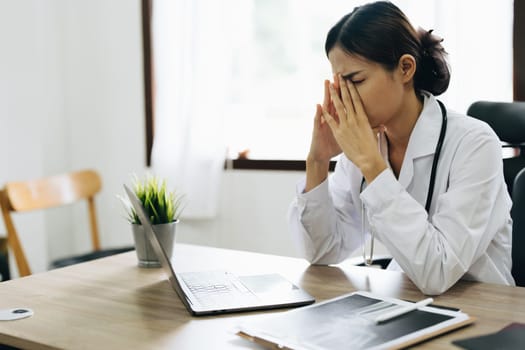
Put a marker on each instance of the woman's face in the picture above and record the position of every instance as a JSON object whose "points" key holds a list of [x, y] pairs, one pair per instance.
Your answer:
{"points": [[381, 91]]}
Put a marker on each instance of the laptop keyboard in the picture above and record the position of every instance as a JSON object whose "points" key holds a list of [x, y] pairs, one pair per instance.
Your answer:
{"points": [[218, 288]]}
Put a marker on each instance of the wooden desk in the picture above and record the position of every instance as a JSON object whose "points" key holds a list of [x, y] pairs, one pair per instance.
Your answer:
{"points": [[112, 304]]}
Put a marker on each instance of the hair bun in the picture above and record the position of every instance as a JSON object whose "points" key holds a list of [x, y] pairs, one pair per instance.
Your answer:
{"points": [[433, 75]]}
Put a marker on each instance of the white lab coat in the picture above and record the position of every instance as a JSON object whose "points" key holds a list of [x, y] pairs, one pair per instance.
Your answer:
{"points": [[468, 232]]}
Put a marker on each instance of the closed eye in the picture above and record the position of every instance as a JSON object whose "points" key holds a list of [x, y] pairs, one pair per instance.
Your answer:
{"points": [[352, 77]]}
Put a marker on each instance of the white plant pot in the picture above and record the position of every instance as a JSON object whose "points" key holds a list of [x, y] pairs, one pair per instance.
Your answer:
{"points": [[145, 253]]}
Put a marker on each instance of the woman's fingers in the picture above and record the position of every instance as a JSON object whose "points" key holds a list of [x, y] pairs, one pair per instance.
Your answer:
{"points": [[342, 103], [347, 99], [357, 103], [336, 82], [326, 102], [331, 109], [318, 118], [338, 104], [332, 123]]}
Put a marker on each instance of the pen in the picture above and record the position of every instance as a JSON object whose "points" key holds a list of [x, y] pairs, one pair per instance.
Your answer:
{"points": [[402, 310]]}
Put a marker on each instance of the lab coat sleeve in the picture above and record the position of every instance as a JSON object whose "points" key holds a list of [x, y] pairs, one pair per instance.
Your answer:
{"points": [[436, 253], [323, 222]]}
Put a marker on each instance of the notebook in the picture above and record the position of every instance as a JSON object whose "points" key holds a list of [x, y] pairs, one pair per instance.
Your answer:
{"points": [[216, 292], [510, 337]]}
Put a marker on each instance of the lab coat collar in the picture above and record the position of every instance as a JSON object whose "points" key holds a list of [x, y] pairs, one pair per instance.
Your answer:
{"points": [[423, 138]]}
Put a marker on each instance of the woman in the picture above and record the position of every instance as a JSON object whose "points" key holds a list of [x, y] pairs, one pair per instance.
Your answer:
{"points": [[381, 116]]}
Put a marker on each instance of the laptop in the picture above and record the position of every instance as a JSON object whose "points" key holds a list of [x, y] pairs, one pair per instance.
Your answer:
{"points": [[218, 292]]}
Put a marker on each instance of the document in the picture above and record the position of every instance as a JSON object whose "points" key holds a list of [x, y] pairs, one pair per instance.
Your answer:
{"points": [[350, 322]]}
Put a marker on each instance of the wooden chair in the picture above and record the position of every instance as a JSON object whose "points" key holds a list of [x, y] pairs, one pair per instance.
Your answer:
{"points": [[50, 192]]}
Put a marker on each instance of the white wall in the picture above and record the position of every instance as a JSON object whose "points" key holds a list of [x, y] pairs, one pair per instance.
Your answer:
{"points": [[252, 213], [71, 97], [30, 105], [104, 103]]}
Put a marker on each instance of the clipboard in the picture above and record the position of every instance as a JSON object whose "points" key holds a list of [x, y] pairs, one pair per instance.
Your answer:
{"points": [[348, 322]]}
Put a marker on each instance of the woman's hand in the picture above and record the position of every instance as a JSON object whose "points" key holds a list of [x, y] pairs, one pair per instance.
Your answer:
{"points": [[352, 131], [323, 146]]}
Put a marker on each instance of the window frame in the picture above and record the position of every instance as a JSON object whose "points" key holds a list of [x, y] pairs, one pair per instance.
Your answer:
{"points": [[519, 50], [149, 77]]}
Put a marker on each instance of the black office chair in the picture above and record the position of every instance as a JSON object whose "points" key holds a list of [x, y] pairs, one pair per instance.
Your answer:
{"points": [[507, 119], [518, 229]]}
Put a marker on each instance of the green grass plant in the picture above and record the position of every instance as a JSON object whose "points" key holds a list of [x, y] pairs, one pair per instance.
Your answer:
{"points": [[161, 205]]}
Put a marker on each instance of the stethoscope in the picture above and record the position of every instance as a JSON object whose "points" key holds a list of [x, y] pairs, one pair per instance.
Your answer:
{"points": [[437, 153]]}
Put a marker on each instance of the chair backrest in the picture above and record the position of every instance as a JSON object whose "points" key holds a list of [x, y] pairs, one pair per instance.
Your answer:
{"points": [[507, 119], [518, 229], [47, 193]]}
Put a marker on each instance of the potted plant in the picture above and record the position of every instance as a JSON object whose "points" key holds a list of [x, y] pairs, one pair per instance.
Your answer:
{"points": [[163, 207]]}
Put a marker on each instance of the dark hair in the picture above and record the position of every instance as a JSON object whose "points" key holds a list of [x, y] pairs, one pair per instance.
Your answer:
{"points": [[380, 32]]}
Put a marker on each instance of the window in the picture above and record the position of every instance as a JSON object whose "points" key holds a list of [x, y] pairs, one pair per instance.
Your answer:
{"points": [[278, 70], [274, 52]]}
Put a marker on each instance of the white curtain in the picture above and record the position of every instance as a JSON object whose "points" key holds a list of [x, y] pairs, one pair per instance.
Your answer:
{"points": [[190, 67], [209, 56], [478, 37]]}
